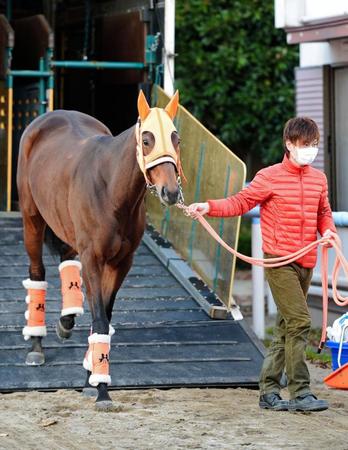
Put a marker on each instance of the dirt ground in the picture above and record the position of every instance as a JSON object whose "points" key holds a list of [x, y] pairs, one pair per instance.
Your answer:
{"points": [[172, 419]]}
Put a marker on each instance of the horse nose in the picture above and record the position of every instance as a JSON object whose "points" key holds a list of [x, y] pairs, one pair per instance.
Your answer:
{"points": [[170, 197]]}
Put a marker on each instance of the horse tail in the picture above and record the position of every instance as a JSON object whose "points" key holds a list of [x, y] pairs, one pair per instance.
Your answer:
{"points": [[56, 246]]}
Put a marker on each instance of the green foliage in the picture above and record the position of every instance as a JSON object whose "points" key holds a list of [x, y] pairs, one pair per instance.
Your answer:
{"points": [[235, 72], [321, 359], [244, 243], [270, 331]]}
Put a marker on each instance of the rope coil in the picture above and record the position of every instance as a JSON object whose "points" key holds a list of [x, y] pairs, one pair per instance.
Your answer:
{"points": [[324, 242]]}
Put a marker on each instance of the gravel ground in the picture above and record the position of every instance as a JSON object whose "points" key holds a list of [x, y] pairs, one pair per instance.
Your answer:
{"points": [[171, 419]]}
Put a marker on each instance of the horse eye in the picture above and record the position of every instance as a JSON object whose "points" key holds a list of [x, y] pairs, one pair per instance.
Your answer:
{"points": [[145, 142], [175, 135]]}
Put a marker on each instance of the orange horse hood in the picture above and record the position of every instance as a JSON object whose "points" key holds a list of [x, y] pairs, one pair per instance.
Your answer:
{"points": [[159, 122]]}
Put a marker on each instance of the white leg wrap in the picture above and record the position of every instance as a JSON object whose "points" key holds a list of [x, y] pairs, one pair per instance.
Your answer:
{"points": [[70, 262], [74, 310], [96, 338], [28, 332], [30, 284], [95, 379]]}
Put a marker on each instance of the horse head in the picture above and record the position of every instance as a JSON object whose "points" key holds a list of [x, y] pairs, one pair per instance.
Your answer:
{"points": [[158, 151]]}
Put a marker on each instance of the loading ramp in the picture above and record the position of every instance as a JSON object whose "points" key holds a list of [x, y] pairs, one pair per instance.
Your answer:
{"points": [[164, 337]]}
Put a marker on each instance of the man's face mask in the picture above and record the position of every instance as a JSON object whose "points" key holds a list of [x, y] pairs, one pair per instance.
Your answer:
{"points": [[303, 155]]}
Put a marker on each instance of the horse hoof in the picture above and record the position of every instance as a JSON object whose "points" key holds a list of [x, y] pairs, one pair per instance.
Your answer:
{"points": [[104, 405], [89, 392], [35, 359], [62, 333]]}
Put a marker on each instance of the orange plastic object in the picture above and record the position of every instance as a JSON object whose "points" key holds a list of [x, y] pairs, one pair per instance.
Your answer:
{"points": [[339, 378], [72, 294]]}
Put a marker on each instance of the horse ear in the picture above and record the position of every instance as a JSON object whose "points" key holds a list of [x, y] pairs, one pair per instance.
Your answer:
{"points": [[172, 106], [143, 106]]}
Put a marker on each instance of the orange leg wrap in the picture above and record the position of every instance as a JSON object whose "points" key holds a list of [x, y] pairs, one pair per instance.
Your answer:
{"points": [[97, 359], [71, 288], [35, 314]]}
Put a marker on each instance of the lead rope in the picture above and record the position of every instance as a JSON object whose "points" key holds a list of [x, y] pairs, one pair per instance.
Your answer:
{"points": [[340, 262]]}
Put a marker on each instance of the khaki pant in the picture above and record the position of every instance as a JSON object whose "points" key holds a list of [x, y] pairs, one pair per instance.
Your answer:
{"points": [[289, 285]]}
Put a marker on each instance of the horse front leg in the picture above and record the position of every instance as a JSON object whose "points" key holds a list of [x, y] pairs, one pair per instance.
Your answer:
{"points": [[96, 361], [111, 280], [89, 390], [100, 340]]}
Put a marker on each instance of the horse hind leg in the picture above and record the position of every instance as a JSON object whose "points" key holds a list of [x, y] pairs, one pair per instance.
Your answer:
{"points": [[71, 281], [34, 227]]}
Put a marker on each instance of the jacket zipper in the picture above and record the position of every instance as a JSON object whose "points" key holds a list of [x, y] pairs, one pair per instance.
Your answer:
{"points": [[302, 211]]}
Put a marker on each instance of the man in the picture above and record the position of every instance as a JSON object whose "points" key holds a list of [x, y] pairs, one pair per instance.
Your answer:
{"points": [[294, 205]]}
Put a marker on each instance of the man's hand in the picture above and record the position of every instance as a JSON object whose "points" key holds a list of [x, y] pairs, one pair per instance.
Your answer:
{"points": [[196, 209], [329, 234]]}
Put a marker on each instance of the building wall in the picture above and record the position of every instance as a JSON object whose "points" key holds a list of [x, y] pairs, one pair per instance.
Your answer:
{"points": [[310, 101], [315, 97], [322, 53], [294, 13]]}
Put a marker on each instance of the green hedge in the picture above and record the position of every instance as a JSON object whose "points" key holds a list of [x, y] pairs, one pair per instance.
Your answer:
{"points": [[236, 72]]}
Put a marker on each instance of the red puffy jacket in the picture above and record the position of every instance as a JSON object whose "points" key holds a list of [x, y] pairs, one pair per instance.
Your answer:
{"points": [[294, 206]]}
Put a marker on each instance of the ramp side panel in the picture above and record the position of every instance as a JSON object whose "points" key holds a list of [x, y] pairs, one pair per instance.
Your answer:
{"points": [[212, 171]]}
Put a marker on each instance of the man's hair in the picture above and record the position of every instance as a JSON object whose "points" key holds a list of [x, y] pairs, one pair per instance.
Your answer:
{"points": [[301, 129]]}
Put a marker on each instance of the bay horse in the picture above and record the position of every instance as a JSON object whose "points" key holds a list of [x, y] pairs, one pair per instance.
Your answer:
{"points": [[88, 187]]}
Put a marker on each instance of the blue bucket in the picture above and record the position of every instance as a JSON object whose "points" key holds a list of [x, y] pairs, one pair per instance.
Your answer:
{"points": [[334, 346]]}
